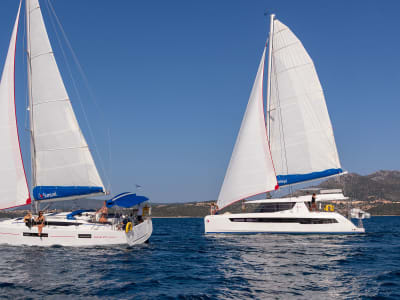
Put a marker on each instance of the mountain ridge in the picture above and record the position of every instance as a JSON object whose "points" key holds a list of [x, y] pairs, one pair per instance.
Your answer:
{"points": [[377, 193]]}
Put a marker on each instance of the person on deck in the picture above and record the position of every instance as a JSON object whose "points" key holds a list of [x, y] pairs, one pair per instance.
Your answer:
{"points": [[40, 220], [140, 213], [28, 219], [101, 214], [214, 208], [122, 225], [313, 202]]}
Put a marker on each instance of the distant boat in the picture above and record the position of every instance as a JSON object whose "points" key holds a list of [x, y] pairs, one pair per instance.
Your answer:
{"points": [[293, 143], [62, 164]]}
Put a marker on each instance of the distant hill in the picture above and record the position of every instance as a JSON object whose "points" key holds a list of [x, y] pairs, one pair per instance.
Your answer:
{"points": [[381, 185], [377, 193], [193, 209]]}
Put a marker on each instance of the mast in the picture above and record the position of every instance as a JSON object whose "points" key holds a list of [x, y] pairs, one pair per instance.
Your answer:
{"points": [[30, 104], [271, 32]]}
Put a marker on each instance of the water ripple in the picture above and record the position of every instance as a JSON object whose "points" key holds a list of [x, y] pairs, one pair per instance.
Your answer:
{"points": [[180, 262]]}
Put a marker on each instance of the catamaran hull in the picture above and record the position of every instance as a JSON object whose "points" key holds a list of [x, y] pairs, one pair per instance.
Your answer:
{"points": [[15, 232], [280, 223]]}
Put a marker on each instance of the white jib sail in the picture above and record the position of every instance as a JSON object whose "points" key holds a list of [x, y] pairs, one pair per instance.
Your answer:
{"points": [[300, 131], [250, 170], [13, 185], [61, 154]]}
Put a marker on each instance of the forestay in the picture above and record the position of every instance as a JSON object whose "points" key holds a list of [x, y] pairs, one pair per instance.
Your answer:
{"points": [[62, 163], [13, 185], [250, 169], [300, 131]]}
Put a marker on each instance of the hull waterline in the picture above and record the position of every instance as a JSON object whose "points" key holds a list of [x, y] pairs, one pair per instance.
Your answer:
{"points": [[15, 232], [296, 220]]}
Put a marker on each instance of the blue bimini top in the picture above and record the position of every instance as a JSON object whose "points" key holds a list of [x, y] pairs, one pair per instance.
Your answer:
{"points": [[126, 200]]}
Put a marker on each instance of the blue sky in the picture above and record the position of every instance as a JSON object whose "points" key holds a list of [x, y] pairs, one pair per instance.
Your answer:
{"points": [[171, 80]]}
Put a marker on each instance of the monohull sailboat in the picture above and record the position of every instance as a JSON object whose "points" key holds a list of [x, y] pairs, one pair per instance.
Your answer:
{"points": [[62, 164], [289, 142]]}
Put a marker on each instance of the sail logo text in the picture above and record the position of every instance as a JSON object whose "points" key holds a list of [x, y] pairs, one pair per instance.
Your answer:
{"points": [[48, 195]]}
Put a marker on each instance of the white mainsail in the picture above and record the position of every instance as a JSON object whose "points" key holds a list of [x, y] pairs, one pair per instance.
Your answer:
{"points": [[14, 189], [250, 170], [61, 160], [300, 131]]}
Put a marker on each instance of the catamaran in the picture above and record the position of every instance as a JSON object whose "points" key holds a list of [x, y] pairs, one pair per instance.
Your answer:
{"points": [[291, 143], [62, 164]]}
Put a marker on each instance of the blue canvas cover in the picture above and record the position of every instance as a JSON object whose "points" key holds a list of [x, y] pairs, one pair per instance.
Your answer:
{"points": [[71, 216], [126, 200], [54, 192]]}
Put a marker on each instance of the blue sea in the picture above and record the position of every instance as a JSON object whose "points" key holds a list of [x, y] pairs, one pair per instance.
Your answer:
{"points": [[181, 262]]}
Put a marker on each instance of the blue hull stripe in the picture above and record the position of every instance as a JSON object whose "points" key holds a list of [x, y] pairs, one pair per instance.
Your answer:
{"points": [[54, 192], [295, 178]]}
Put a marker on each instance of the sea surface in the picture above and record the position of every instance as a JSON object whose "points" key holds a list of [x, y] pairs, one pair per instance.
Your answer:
{"points": [[181, 262]]}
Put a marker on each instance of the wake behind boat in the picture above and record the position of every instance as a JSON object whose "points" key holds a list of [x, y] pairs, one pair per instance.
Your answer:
{"points": [[61, 162], [292, 143]]}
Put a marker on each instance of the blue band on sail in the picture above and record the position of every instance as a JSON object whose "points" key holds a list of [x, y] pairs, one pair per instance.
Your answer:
{"points": [[52, 192], [295, 178]]}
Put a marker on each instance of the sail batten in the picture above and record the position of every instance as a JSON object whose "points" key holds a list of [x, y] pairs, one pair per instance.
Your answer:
{"points": [[61, 156], [300, 131], [14, 190], [250, 171]]}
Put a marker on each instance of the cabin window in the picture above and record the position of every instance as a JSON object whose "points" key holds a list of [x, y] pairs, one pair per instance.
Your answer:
{"points": [[61, 223], [274, 207], [84, 236], [286, 220], [35, 234]]}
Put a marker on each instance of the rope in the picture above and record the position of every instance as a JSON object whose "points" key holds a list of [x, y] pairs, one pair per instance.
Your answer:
{"points": [[282, 135], [85, 80]]}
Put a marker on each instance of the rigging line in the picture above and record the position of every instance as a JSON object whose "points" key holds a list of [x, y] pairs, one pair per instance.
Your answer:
{"points": [[267, 105], [74, 56], [29, 80], [26, 88], [311, 111], [273, 69], [69, 71], [26, 126], [278, 117], [83, 75], [109, 159], [87, 85], [53, 13]]}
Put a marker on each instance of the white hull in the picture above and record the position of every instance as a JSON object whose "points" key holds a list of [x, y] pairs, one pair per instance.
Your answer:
{"points": [[296, 220], [15, 232]]}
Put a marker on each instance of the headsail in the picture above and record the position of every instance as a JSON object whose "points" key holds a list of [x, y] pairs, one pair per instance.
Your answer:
{"points": [[61, 160], [13, 185], [250, 170], [300, 131]]}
